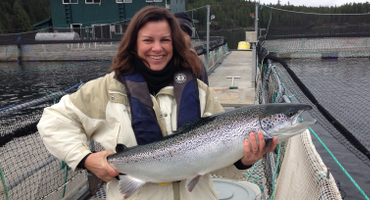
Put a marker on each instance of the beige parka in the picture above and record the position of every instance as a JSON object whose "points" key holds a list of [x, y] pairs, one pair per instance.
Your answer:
{"points": [[100, 111]]}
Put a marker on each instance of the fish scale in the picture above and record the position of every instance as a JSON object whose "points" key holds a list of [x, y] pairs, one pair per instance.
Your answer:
{"points": [[205, 145]]}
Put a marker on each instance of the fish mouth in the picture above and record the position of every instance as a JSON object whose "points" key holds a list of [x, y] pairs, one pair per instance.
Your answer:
{"points": [[296, 119]]}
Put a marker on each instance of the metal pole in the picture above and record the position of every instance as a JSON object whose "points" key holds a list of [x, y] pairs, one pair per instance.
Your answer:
{"points": [[206, 57], [254, 50], [256, 19]]}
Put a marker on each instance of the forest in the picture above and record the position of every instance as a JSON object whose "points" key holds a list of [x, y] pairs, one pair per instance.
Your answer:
{"points": [[19, 15], [238, 14]]}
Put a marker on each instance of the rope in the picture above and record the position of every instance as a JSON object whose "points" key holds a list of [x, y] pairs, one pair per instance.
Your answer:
{"points": [[250, 4], [274, 177], [335, 159], [254, 176], [327, 14], [3, 181], [64, 165]]}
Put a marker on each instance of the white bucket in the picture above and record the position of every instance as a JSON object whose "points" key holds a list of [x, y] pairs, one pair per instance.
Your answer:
{"points": [[236, 190]]}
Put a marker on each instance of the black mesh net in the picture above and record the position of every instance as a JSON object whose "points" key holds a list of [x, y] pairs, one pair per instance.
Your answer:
{"points": [[323, 59], [328, 61], [292, 24], [27, 169]]}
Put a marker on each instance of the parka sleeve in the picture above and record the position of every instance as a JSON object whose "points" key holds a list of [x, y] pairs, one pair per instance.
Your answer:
{"points": [[67, 126], [62, 132]]}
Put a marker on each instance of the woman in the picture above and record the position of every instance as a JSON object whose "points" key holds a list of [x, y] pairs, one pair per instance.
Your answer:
{"points": [[150, 93]]}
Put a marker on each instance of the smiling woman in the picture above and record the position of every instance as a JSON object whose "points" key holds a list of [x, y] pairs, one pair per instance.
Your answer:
{"points": [[165, 27], [154, 44], [152, 92]]}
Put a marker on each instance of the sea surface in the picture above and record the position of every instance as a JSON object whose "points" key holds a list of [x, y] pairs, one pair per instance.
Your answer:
{"points": [[20, 83]]}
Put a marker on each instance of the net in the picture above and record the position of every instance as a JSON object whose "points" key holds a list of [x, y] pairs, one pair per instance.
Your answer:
{"points": [[28, 170], [340, 74], [295, 162], [323, 60]]}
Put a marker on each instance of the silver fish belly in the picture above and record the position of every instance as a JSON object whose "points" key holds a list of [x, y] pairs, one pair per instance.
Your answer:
{"points": [[205, 145]]}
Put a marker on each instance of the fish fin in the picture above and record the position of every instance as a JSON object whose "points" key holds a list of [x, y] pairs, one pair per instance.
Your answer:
{"points": [[121, 148], [268, 143], [190, 183], [128, 185]]}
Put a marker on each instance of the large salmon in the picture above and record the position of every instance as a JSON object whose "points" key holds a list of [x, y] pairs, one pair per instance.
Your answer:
{"points": [[205, 145]]}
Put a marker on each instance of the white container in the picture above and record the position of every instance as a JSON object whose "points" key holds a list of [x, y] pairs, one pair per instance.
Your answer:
{"points": [[57, 36], [234, 190]]}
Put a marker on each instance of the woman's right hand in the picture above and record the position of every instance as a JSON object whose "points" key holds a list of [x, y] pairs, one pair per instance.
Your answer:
{"points": [[97, 163]]}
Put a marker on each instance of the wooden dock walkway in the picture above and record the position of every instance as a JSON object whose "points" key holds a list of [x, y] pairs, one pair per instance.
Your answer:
{"points": [[236, 64]]}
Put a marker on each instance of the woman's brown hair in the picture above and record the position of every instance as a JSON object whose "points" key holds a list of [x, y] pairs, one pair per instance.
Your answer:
{"points": [[124, 61]]}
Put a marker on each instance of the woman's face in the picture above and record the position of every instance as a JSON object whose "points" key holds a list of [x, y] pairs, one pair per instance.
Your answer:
{"points": [[154, 44]]}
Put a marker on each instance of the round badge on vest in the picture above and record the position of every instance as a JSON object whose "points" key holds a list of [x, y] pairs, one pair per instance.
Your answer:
{"points": [[180, 78]]}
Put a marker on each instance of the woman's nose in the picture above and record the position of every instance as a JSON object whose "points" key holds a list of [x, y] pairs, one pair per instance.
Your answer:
{"points": [[157, 46]]}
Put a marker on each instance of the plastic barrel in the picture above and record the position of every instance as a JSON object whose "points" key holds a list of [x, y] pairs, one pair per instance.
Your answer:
{"points": [[242, 45]]}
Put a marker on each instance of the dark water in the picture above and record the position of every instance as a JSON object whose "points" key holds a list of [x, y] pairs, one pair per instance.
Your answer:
{"points": [[232, 37], [342, 87], [32, 80]]}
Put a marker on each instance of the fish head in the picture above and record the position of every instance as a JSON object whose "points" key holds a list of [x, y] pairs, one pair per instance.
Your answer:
{"points": [[282, 120]]}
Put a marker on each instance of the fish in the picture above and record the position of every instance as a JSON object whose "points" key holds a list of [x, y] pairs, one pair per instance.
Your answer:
{"points": [[205, 145]]}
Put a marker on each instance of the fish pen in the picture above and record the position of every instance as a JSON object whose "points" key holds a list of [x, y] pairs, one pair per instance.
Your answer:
{"points": [[321, 60], [27, 169]]}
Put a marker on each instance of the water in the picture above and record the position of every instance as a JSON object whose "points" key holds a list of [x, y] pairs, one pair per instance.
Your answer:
{"points": [[342, 87], [32, 80], [232, 37]]}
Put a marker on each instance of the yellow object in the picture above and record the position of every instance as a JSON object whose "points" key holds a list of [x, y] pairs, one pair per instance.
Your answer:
{"points": [[242, 45], [164, 183]]}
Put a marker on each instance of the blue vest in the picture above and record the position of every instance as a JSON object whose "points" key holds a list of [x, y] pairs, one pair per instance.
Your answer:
{"points": [[144, 121]]}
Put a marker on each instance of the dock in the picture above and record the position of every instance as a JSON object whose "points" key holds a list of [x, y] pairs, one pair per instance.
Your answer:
{"points": [[236, 92]]}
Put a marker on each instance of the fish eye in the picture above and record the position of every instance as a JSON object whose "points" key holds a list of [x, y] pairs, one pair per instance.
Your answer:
{"points": [[290, 114]]}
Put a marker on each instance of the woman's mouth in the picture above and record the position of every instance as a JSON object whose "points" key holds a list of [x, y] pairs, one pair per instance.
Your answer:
{"points": [[156, 57]]}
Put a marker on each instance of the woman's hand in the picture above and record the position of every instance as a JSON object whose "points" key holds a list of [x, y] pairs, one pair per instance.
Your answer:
{"points": [[97, 163], [253, 152]]}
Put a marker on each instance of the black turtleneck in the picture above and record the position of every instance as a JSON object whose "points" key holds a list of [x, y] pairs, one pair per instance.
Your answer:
{"points": [[156, 80]]}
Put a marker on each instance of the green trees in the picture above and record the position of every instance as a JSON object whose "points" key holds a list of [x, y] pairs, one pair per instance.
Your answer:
{"points": [[22, 20], [231, 14], [19, 15]]}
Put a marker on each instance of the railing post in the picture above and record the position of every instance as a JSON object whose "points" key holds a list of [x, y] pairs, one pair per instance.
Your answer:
{"points": [[207, 46]]}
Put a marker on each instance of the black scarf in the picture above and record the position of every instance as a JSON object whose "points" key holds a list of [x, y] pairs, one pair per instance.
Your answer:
{"points": [[156, 80]]}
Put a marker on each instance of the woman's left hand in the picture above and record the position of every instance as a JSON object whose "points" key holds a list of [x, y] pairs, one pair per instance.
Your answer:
{"points": [[253, 152]]}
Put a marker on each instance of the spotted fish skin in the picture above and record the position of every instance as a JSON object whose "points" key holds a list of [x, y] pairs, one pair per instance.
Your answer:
{"points": [[205, 145]]}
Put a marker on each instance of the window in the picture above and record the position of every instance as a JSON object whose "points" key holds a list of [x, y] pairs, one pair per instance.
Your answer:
{"points": [[120, 28], [70, 1], [148, 0], [123, 1], [157, 0], [92, 1]]}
